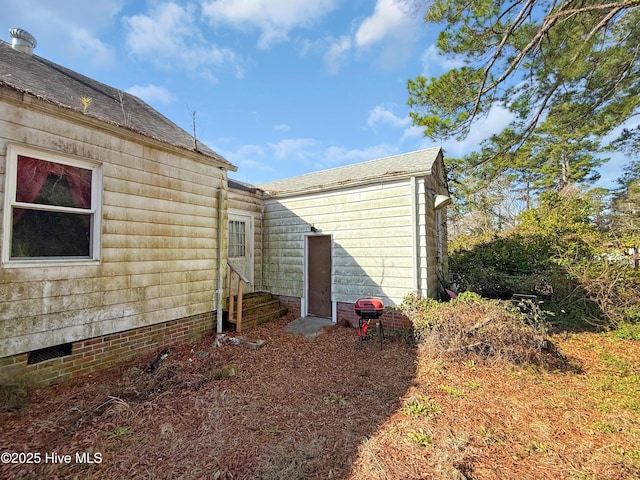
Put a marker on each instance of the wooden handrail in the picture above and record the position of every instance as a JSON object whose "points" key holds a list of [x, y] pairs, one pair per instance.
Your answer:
{"points": [[241, 281], [237, 272]]}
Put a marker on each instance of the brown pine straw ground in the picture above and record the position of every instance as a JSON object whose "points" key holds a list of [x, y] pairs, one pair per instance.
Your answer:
{"points": [[323, 408]]}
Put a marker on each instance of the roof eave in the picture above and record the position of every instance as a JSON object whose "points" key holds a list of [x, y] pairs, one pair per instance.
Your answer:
{"points": [[45, 104], [346, 184]]}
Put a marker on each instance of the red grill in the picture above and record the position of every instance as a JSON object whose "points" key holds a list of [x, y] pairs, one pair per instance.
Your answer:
{"points": [[369, 309]]}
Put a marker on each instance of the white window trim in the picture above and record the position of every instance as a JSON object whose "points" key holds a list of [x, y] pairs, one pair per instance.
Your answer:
{"points": [[11, 163]]}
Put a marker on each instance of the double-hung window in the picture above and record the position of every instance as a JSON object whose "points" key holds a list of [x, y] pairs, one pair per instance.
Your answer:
{"points": [[51, 208]]}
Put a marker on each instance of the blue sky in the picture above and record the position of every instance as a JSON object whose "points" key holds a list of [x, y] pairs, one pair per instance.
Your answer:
{"points": [[278, 87]]}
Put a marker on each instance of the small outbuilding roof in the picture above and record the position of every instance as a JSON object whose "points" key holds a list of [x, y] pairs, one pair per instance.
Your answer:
{"points": [[405, 165], [238, 185], [37, 76]]}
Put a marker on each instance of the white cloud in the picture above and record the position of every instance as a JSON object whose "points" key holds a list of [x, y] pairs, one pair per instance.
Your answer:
{"points": [[67, 26], [164, 31], [412, 132], [92, 47], [391, 18], [274, 19], [282, 127], [390, 32], [295, 156], [254, 151], [168, 35], [392, 28], [295, 149], [338, 156], [336, 54], [379, 115], [151, 93], [434, 64], [494, 122], [250, 159]]}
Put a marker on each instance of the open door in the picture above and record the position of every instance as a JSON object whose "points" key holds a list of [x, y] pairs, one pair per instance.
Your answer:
{"points": [[319, 276]]}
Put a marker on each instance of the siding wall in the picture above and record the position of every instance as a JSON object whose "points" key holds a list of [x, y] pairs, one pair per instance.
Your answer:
{"points": [[159, 237], [436, 233], [372, 230], [426, 238]]}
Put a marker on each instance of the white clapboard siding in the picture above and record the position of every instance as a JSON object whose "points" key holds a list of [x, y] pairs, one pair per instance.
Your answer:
{"points": [[372, 240], [158, 259]]}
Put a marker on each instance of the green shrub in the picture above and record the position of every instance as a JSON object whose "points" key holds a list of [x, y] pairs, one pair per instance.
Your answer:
{"points": [[496, 268], [469, 297], [628, 331], [421, 310], [557, 254]]}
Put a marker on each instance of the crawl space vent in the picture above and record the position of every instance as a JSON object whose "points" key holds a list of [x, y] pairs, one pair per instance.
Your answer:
{"points": [[49, 353]]}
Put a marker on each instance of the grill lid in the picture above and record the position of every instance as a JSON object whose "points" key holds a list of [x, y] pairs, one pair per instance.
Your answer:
{"points": [[371, 307]]}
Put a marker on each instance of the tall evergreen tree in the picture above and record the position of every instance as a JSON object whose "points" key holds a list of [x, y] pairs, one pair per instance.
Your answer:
{"points": [[567, 70]]}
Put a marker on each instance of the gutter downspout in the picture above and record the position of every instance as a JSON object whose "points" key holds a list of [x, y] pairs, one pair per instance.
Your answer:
{"points": [[219, 290]]}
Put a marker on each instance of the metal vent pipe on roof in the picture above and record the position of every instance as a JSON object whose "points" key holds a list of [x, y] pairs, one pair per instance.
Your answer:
{"points": [[22, 40]]}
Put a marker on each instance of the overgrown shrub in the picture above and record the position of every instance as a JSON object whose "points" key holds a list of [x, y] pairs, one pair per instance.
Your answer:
{"points": [[558, 254], [421, 310], [612, 286], [499, 267], [472, 327]]}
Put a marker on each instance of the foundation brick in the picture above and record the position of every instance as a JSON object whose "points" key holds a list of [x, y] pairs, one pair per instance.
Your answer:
{"points": [[392, 319], [93, 354], [291, 303]]}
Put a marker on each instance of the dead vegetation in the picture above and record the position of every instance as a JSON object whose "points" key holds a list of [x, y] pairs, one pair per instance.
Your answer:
{"points": [[475, 329], [324, 408]]}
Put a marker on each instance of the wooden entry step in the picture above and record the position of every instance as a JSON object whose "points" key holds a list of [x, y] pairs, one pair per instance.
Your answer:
{"points": [[258, 308]]}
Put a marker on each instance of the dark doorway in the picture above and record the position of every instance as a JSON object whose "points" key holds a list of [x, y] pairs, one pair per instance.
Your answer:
{"points": [[319, 276]]}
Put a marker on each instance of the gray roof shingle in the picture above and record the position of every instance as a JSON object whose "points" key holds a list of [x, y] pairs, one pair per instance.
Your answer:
{"points": [[404, 165], [48, 81]]}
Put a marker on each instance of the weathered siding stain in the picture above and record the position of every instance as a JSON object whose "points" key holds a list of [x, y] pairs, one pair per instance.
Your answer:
{"points": [[159, 236], [371, 228], [437, 266]]}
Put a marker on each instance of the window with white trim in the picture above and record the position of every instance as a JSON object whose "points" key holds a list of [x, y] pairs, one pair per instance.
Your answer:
{"points": [[237, 238], [52, 205]]}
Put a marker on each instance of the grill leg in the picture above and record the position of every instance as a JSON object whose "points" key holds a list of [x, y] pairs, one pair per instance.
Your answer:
{"points": [[380, 332]]}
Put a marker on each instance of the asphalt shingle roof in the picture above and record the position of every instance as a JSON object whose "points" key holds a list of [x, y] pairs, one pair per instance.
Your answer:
{"points": [[404, 165], [48, 81]]}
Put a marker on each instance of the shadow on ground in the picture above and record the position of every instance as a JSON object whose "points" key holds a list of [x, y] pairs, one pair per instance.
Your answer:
{"points": [[296, 408]]}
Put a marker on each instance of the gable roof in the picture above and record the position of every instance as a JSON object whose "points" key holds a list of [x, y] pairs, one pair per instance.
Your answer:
{"points": [[65, 88], [405, 165]]}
